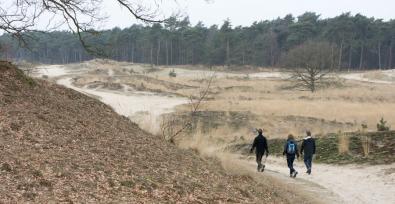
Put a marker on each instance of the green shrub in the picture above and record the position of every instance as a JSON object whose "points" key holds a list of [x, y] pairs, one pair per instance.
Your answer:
{"points": [[364, 127], [127, 183], [382, 125], [172, 73]]}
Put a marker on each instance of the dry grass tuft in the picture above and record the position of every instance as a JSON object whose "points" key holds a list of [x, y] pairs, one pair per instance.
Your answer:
{"points": [[366, 141], [344, 143]]}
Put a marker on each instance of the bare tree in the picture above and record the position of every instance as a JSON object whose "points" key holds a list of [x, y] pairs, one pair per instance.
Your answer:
{"points": [[19, 17], [311, 62], [173, 125]]}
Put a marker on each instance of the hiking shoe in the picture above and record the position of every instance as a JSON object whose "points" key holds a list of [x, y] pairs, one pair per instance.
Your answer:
{"points": [[263, 168], [295, 173], [308, 171]]}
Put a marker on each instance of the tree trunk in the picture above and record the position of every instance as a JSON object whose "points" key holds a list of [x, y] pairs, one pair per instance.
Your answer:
{"points": [[192, 57], [227, 53], [143, 55], [244, 57], [361, 58], [151, 57], [167, 54], [171, 52], [350, 59], [158, 53], [312, 82], [133, 53], [179, 54], [390, 55], [271, 55], [332, 55], [379, 53], [340, 55]]}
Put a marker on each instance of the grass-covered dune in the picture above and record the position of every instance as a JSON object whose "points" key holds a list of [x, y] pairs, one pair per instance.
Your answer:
{"points": [[344, 148]]}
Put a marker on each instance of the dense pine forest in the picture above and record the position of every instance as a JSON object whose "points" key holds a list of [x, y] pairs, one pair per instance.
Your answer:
{"points": [[356, 42]]}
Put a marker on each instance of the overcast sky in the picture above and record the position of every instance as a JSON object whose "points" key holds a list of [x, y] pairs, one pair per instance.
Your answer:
{"points": [[245, 12]]}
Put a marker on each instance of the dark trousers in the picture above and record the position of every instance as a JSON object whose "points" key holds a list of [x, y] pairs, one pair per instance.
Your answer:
{"points": [[290, 162], [308, 161], [259, 156]]}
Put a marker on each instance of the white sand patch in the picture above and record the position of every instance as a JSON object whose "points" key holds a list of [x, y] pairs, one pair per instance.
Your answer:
{"points": [[196, 73], [263, 75], [207, 73], [51, 71], [361, 77], [390, 73], [110, 72], [143, 108]]}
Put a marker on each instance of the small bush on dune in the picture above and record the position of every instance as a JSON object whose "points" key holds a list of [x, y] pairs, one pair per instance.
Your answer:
{"points": [[172, 73], [382, 125]]}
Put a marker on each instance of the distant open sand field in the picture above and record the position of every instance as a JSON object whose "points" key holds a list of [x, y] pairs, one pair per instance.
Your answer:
{"points": [[264, 99], [272, 103]]}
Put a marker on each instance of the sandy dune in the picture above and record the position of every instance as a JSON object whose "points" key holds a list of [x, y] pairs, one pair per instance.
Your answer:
{"points": [[347, 184]]}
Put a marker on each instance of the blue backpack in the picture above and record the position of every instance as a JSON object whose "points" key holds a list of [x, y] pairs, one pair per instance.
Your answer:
{"points": [[291, 147]]}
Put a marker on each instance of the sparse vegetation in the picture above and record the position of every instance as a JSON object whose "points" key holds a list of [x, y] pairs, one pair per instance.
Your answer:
{"points": [[172, 125], [172, 73], [382, 125], [6, 167], [363, 148], [127, 183], [364, 127]]}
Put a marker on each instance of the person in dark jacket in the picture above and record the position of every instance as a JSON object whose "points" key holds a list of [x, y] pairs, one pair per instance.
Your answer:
{"points": [[291, 151], [308, 150], [260, 144]]}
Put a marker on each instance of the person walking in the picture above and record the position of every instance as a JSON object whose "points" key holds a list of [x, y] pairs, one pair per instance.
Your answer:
{"points": [[260, 144], [308, 150], [291, 151]]}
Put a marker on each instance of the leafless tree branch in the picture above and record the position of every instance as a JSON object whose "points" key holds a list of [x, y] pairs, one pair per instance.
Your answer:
{"points": [[172, 127], [20, 17]]}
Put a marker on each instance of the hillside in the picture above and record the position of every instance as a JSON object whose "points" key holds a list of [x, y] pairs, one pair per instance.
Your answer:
{"points": [[57, 145]]}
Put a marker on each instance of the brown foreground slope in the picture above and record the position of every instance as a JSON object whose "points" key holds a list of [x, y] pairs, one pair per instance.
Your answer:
{"points": [[57, 145]]}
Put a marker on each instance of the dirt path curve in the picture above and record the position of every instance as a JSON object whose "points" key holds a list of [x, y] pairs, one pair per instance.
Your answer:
{"points": [[350, 183], [297, 190], [354, 184]]}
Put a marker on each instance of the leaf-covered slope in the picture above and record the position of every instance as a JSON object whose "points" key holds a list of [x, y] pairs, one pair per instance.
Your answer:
{"points": [[59, 145]]}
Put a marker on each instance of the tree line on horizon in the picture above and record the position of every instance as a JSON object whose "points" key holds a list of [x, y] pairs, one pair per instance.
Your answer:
{"points": [[355, 42]]}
